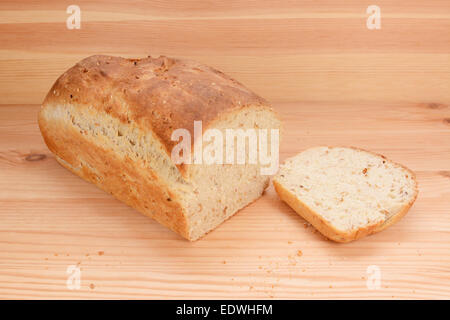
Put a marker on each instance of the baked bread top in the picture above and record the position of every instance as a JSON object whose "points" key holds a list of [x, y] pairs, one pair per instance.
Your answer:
{"points": [[158, 94]]}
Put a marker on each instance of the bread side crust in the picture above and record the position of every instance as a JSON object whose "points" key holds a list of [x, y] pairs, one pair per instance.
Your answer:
{"points": [[136, 185], [326, 228]]}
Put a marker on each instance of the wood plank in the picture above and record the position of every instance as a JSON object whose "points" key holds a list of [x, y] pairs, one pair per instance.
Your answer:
{"points": [[393, 77], [233, 8], [51, 219], [302, 49]]}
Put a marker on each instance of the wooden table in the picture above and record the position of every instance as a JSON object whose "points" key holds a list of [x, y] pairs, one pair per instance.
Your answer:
{"points": [[333, 81]]}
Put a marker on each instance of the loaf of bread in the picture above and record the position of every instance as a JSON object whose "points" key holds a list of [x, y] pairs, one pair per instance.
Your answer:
{"points": [[110, 120], [346, 193]]}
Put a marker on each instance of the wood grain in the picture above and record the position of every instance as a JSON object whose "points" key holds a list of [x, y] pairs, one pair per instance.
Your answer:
{"points": [[333, 81], [305, 48], [52, 219]]}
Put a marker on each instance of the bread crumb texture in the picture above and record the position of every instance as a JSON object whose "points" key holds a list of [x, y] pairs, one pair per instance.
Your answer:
{"points": [[346, 188]]}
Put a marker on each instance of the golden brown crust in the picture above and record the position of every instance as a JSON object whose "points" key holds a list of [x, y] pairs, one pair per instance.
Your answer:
{"points": [[158, 94], [327, 229], [136, 185]]}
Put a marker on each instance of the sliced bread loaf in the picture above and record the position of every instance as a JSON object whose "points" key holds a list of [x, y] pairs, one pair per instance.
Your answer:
{"points": [[111, 121], [346, 193]]}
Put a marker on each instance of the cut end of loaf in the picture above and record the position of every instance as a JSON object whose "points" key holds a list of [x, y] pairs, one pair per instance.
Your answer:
{"points": [[346, 193], [220, 190]]}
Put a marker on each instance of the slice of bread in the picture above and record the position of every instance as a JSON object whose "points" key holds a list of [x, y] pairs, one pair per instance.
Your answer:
{"points": [[346, 193]]}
